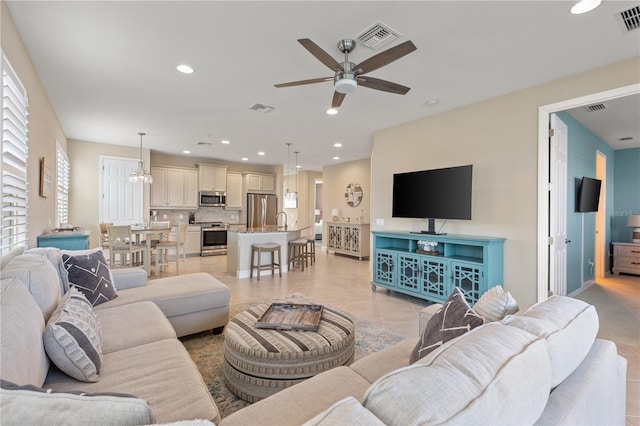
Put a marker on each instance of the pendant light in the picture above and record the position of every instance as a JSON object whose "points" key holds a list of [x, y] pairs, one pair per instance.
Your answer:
{"points": [[296, 153], [290, 198], [139, 174]]}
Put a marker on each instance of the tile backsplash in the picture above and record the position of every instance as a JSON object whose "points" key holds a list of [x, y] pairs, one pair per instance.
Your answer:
{"points": [[203, 214]]}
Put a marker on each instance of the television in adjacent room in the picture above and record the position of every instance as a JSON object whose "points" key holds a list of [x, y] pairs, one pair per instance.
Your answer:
{"points": [[587, 194], [433, 194]]}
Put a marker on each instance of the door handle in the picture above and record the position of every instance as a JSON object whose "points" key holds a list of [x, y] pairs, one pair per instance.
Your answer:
{"points": [[566, 241]]}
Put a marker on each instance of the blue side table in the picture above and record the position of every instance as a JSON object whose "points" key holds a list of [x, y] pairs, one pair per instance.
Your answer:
{"points": [[76, 240]]}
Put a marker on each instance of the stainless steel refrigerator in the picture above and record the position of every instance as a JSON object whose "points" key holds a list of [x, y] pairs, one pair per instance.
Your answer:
{"points": [[261, 210]]}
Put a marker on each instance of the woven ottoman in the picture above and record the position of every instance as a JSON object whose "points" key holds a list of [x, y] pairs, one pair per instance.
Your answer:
{"points": [[261, 362]]}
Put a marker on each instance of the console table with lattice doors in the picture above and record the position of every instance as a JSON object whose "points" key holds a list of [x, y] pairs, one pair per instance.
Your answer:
{"points": [[474, 264], [348, 238]]}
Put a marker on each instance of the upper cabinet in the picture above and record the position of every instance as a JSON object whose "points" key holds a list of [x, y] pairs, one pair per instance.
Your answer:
{"points": [[234, 191], [174, 187], [260, 183], [212, 178]]}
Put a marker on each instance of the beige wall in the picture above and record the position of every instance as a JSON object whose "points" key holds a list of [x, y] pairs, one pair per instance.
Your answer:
{"points": [[44, 128], [335, 180], [500, 138]]}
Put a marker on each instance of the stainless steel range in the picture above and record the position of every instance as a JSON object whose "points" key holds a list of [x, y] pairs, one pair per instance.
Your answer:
{"points": [[214, 238]]}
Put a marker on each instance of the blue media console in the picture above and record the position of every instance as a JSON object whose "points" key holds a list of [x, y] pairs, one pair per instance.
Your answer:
{"points": [[472, 263]]}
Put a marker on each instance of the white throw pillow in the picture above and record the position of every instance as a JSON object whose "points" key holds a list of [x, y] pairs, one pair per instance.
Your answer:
{"points": [[73, 338], [495, 304]]}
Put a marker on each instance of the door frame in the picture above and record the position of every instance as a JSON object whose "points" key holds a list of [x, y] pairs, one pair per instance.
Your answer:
{"points": [[543, 173], [599, 255]]}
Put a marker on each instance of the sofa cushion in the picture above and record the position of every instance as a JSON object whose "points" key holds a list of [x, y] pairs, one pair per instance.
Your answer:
{"points": [[54, 255], [375, 365], [31, 405], [72, 338], [161, 373], [40, 277], [22, 356], [495, 304], [453, 319], [347, 411], [568, 325], [89, 272], [490, 375]]}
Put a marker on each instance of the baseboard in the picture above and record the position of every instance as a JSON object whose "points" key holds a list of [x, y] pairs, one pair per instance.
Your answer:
{"points": [[585, 285]]}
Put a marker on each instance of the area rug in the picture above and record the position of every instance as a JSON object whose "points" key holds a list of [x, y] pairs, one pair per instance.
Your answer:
{"points": [[207, 351]]}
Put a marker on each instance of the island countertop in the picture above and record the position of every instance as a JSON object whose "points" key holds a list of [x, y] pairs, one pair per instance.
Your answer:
{"points": [[269, 229]]}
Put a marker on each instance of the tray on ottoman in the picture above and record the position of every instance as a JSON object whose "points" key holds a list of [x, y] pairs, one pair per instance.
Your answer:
{"points": [[291, 316]]}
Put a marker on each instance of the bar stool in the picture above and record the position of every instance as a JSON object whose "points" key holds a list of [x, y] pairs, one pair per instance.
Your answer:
{"points": [[298, 252], [311, 249], [265, 248]]}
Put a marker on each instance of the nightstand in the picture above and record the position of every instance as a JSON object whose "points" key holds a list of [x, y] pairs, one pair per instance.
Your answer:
{"points": [[626, 258]]}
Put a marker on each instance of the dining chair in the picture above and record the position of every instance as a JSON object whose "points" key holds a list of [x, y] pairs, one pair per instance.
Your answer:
{"points": [[104, 235], [122, 243], [177, 245], [155, 240]]}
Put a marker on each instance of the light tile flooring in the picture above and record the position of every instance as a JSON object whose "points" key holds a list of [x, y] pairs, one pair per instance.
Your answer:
{"points": [[343, 282]]}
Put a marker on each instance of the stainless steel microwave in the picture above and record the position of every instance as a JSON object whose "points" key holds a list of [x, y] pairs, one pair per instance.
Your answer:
{"points": [[213, 199]]}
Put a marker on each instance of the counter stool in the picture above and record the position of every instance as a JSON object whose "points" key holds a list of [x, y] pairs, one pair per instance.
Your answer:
{"points": [[265, 248], [311, 249], [298, 252]]}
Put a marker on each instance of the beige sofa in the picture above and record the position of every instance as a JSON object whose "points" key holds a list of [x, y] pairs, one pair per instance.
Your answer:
{"points": [[141, 355], [543, 365]]}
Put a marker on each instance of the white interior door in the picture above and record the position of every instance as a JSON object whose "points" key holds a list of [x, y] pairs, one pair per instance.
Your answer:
{"points": [[600, 249], [558, 206], [121, 201]]}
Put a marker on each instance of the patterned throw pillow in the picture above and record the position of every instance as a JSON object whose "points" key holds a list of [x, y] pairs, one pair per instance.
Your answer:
{"points": [[495, 304], [89, 273], [73, 338], [453, 319]]}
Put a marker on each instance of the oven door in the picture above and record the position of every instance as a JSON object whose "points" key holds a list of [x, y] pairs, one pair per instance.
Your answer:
{"points": [[214, 241]]}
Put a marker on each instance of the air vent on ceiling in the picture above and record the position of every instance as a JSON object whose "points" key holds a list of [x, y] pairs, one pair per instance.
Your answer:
{"points": [[596, 107], [204, 143], [625, 138], [377, 35], [629, 19], [261, 108]]}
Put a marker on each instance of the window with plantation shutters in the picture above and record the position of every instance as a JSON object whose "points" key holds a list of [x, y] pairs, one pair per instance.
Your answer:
{"points": [[14, 161], [62, 192]]}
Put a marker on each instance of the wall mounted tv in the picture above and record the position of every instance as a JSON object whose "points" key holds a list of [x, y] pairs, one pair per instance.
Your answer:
{"points": [[433, 194], [587, 194]]}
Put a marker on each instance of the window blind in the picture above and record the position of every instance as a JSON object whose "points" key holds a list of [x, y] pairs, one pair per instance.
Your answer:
{"points": [[62, 193], [14, 161]]}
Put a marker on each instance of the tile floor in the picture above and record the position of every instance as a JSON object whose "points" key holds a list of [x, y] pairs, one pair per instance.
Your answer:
{"points": [[344, 283]]}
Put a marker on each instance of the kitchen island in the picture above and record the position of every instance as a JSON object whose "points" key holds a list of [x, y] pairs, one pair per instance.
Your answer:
{"points": [[239, 243]]}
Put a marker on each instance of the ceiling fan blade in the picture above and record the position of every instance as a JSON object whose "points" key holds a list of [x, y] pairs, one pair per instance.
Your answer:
{"points": [[320, 54], [384, 85], [337, 99], [384, 58], [301, 82]]}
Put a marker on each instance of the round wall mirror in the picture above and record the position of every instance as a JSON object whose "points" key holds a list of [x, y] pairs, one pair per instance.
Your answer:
{"points": [[353, 194]]}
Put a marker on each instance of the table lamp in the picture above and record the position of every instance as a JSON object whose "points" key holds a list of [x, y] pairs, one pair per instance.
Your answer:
{"points": [[634, 222], [336, 214]]}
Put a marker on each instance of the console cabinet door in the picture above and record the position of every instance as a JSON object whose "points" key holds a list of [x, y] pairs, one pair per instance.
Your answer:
{"points": [[408, 272], [469, 278], [383, 271], [435, 278]]}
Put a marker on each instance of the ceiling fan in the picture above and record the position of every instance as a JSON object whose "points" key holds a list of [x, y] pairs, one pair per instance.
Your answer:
{"points": [[347, 75]]}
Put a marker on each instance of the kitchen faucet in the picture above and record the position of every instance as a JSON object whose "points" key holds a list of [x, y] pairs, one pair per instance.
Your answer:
{"points": [[285, 219]]}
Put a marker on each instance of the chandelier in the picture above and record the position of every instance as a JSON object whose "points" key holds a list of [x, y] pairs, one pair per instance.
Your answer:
{"points": [[139, 174]]}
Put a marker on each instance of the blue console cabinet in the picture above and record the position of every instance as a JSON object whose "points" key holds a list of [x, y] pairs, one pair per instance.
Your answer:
{"points": [[77, 240], [474, 264]]}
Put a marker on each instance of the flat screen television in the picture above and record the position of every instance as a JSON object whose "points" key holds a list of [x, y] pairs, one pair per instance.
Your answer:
{"points": [[587, 194], [433, 194]]}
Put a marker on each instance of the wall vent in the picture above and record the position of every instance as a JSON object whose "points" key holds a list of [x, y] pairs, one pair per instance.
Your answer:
{"points": [[261, 108], [377, 35], [625, 138], [596, 107], [204, 143], [628, 19]]}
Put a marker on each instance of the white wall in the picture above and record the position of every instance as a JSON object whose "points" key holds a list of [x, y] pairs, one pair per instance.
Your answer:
{"points": [[499, 137]]}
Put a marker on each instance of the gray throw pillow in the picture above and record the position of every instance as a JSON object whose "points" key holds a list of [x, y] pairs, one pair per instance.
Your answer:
{"points": [[73, 338], [31, 405], [89, 273], [453, 319]]}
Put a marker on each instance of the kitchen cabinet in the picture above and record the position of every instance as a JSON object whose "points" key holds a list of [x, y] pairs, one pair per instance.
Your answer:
{"points": [[260, 183], [212, 178], [474, 264], [234, 191], [192, 240], [348, 238], [174, 187]]}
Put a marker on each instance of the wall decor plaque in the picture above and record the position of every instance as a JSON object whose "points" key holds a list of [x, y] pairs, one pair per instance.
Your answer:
{"points": [[353, 194]]}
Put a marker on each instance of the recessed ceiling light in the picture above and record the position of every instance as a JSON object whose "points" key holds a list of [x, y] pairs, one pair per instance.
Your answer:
{"points": [[336, 158], [432, 102], [245, 159], [185, 69], [584, 6], [332, 111], [224, 141], [298, 166], [261, 153], [337, 145], [186, 151]]}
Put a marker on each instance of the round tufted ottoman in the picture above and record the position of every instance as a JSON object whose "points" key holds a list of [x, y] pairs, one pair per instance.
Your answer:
{"points": [[261, 362]]}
